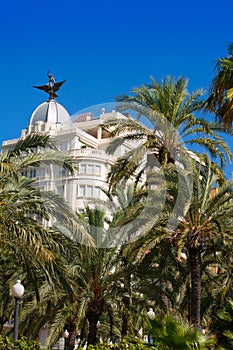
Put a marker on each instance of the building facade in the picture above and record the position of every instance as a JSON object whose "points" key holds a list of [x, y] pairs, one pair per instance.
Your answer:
{"points": [[82, 137]]}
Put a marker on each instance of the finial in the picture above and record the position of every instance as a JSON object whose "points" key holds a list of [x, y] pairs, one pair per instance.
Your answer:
{"points": [[51, 87]]}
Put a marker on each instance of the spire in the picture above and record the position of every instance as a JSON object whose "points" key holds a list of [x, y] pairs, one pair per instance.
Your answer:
{"points": [[51, 87]]}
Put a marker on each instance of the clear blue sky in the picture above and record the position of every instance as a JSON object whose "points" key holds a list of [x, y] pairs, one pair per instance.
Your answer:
{"points": [[104, 48]]}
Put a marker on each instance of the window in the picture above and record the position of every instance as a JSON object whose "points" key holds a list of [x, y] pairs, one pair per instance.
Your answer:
{"points": [[63, 172], [63, 146], [88, 191], [96, 192], [97, 169], [41, 172], [82, 169], [82, 190], [31, 173], [90, 169], [60, 190]]}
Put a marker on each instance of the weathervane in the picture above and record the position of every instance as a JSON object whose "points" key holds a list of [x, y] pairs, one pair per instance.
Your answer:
{"points": [[51, 87]]}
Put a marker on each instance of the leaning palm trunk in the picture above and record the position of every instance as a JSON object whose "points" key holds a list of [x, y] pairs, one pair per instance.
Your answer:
{"points": [[195, 300]]}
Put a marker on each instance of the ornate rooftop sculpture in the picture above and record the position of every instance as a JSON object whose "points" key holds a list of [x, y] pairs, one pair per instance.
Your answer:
{"points": [[51, 87], [50, 111]]}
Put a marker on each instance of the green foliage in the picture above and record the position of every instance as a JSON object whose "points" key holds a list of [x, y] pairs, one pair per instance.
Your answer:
{"points": [[170, 110], [220, 100], [38, 254], [176, 334], [223, 325], [7, 343], [123, 345]]}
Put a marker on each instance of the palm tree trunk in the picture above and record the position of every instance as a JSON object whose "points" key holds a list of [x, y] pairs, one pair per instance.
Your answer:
{"points": [[124, 327], [81, 343], [125, 301], [72, 337], [92, 332], [111, 328], [163, 296], [195, 302], [94, 312]]}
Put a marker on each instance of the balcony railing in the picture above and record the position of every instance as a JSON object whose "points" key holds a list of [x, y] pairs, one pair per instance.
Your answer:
{"points": [[91, 153]]}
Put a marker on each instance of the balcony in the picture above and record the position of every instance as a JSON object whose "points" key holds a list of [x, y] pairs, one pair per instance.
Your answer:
{"points": [[91, 153]]}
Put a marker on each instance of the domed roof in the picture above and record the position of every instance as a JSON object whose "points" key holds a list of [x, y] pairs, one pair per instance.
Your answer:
{"points": [[50, 111]]}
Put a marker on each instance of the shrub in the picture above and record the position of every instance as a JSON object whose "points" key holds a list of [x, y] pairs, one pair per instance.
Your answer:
{"points": [[7, 343], [123, 345]]}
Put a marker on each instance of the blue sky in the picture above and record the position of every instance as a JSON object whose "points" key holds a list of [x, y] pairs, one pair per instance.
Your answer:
{"points": [[104, 48]]}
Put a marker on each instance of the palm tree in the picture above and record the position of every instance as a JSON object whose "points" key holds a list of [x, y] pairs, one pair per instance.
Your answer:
{"points": [[170, 110], [92, 269], [27, 248], [220, 100], [22, 203], [177, 334], [207, 222], [161, 277], [172, 125], [208, 218], [99, 271], [53, 295]]}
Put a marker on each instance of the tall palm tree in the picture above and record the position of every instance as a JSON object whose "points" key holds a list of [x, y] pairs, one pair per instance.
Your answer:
{"points": [[169, 110], [203, 228], [99, 271], [208, 219], [92, 269], [27, 248], [220, 100]]}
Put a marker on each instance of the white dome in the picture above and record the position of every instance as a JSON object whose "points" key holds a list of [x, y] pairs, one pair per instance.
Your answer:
{"points": [[52, 112]]}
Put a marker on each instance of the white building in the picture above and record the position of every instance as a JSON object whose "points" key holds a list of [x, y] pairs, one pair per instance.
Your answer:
{"points": [[82, 138]]}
